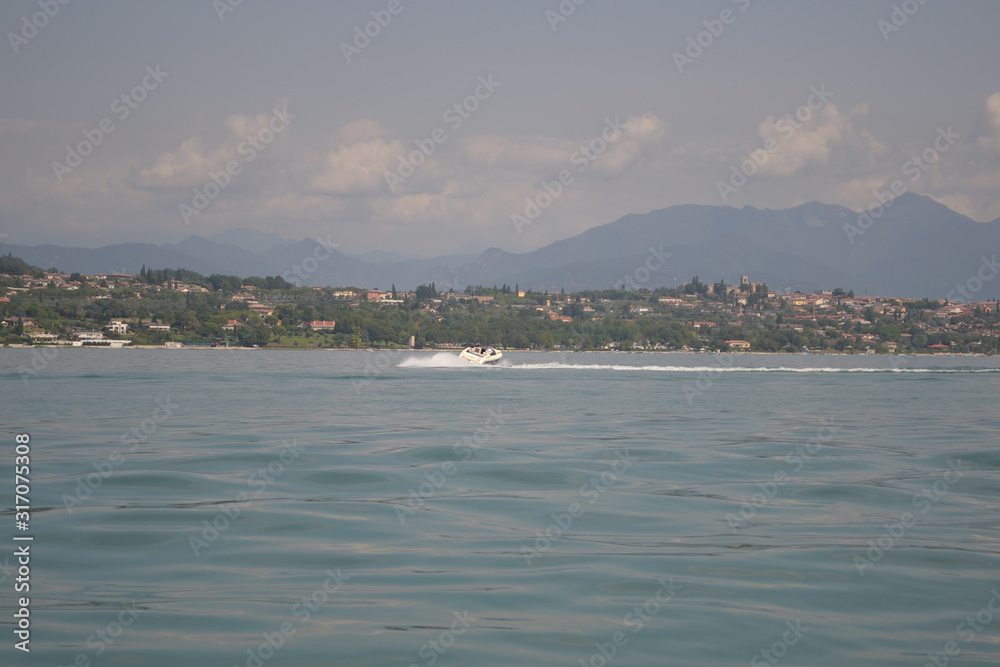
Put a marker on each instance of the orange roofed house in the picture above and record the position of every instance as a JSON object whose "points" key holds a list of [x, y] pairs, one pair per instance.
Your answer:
{"points": [[320, 325]]}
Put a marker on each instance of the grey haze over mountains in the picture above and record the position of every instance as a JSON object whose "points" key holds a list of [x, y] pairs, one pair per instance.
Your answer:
{"points": [[916, 248]]}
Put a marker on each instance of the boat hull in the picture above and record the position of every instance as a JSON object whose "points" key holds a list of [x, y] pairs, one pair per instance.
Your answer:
{"points": [[481, 357]]}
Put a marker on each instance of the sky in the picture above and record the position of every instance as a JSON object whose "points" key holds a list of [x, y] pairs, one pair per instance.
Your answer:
{"points": [[427, 128]]}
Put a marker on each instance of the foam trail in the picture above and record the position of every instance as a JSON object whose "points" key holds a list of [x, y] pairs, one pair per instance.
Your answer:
{"points": [[452, 360], [742, 369], [437, 360]]}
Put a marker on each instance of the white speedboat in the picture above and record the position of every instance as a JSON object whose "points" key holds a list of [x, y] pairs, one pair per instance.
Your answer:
{"points": [[481, 355]]}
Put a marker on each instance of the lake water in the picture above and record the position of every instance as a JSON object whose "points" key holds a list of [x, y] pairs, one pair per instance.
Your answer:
{"points": [[364, 508]]}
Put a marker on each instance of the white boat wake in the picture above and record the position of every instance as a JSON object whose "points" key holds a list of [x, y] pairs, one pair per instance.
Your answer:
{"points": [[437, 360], [741, 369], [451, 360]]}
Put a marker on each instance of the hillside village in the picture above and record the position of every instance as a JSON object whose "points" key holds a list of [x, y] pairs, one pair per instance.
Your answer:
{"points": [[178, 308]]}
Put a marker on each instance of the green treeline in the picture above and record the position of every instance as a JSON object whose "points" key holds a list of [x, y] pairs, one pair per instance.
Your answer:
{"points": [[590, 320]]}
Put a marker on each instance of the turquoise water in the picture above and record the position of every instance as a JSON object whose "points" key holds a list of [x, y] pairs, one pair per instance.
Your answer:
{"points": [[392, 509]]}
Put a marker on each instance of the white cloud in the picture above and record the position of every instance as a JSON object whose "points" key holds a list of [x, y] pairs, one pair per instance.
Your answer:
{"points": [[17, 125], [357, 168], [517, 152], [960, 203], [416, 208], [858, 193], [241, 126], [814, 140], [619, 156], [546, 156], [965, 177], [193, 162], [992, 141], [645, 129], [187, 166]]}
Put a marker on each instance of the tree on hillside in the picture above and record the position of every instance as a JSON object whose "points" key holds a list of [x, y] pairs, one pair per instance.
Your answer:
{"points": [[16, 266], [427, 291]]}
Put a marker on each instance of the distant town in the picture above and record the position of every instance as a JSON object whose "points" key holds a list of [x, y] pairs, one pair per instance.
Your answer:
{"points": [[176, 308]]}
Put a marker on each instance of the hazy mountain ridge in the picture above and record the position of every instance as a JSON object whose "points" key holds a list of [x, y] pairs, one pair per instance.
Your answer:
{"points": [[250, 239], [916, 248]]}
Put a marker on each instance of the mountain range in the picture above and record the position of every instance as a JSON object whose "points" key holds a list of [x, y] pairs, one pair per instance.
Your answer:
{"points": [[916, 247]]}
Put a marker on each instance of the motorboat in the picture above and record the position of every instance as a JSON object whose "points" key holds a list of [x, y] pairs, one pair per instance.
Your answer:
{"points": [[478, 354]]}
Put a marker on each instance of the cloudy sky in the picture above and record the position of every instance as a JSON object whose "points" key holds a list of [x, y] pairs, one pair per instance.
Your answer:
{"points": [[128, 121]]}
